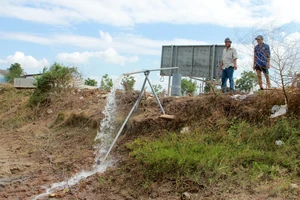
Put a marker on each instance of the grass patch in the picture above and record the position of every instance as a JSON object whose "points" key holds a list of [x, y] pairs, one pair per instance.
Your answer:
{"points": [[245, 153], [13, 111]]}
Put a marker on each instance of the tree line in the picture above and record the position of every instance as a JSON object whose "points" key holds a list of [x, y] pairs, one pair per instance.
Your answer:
{"points": [[58, 75]]}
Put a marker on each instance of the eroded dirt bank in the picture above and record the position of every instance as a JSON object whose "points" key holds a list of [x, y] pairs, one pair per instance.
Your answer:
{"points": [[45, 145]]}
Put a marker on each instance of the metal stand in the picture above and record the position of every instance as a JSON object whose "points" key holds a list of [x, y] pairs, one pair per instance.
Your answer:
{"points": [[143, 89], [135, 106]]}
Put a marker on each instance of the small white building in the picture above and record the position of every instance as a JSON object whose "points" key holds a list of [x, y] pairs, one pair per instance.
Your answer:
{"points": [[25, 81], [3, 73]]}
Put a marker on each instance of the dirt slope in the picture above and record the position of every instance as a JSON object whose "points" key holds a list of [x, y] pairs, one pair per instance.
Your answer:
{"points": [[44, 145]]}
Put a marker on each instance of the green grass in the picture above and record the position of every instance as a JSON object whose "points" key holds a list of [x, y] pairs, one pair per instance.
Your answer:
{"points": [[244, 152]]}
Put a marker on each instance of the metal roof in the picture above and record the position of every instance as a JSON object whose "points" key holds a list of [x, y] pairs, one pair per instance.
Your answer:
{"points": [[4, 72]]}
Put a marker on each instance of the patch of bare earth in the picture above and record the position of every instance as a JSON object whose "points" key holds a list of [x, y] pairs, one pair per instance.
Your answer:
{"points": [[57, 143]]}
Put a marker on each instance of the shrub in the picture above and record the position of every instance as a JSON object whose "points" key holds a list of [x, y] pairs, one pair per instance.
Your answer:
{"points": [[57, 76], [90, 82], [128, 83], [188, 86], [106, 83]]}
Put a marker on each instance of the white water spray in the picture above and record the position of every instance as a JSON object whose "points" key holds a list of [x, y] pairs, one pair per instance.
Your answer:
{"points": [[104, 135]]}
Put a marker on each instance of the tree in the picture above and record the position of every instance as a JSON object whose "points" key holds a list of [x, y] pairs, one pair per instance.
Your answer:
{"points": [[188, 86], [128, 83], [57, 76], [90, 82], [285, 60], [106, 83], [285, 53], [247, 81], [15, 71], [157, 88]]}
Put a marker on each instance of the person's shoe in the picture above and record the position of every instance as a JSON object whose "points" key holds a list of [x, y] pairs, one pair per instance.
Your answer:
{"points": [[261, 89]]}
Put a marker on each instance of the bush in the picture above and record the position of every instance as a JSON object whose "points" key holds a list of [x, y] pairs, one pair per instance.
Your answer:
{"points": [[90, 82], [157, 89], [128, 83], [188, 86], [106, 83], [57, 76]]}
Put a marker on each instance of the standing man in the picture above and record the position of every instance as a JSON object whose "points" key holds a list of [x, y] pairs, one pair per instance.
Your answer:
{"points": [[262, 61], [228, 65]]}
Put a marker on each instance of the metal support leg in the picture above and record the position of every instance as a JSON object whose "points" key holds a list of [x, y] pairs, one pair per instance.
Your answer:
{"points": [[157, 99], [141, 94], [169, 83]]}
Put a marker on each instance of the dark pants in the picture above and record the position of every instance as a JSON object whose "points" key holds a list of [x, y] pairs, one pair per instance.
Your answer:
{"points": [[264, 69], [227, 73]]}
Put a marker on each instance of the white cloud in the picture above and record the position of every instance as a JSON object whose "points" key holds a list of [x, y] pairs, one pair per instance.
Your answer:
{"points": [[123, 43], [25, 61], [285, 10], [292, 38], [105, 36], [110, 56], [127, 13], [75, 57]]}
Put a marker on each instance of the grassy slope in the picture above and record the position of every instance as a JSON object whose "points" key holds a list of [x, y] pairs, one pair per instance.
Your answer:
{"points": [[218, 143]]}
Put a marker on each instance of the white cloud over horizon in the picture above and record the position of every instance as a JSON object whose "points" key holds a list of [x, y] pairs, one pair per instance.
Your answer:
{"points": [[25, 61], [110, 56], [132, 32], [123, 43], [128, 13]]}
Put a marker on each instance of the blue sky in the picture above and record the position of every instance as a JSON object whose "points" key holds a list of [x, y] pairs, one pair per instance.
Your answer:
{"points": [[114, 37]]}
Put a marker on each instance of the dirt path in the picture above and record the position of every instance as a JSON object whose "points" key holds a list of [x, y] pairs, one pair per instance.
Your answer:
{"points": [[15, 167], [13, 164]]}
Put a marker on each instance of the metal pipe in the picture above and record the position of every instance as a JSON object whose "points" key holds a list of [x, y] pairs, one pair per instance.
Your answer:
{"points": [[169, 86], [198, 79], [167, 68], [171, 64], [193, 61], [213, 63]]}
